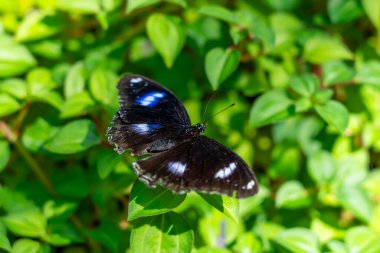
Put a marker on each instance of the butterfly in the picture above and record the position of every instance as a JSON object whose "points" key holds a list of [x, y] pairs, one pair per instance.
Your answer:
{"points": [[152, 120]]}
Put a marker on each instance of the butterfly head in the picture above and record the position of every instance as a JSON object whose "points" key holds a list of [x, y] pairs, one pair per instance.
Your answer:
{"points": [[200, 127]]}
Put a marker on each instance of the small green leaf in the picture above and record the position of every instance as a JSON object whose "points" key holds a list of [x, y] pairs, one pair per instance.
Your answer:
{"points": [[37, 25], [103, 86], [83, 6], [8, 104], [300, 240], [107, 162], [167, 35], [362, 239], [5, 153], [4, 241], [356, 200], [162, 233], [247, 243], [292, 195], [75, 80], [76, 105], [369, 73], [28, 222], [343, 11], [270, 107], [145, 201], [15, 59], [226, 205], [74, 137], [29, 246], [220, 64], [335, 72], [305, 85], [323, 96], [14, 87], [137, 4], [320, 49], [334, 113], [371, 8], [219, 12], [321, 167]]}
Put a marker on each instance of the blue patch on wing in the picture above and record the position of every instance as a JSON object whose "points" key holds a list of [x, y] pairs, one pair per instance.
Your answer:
{"points": [[145, 128], [151, 98]]}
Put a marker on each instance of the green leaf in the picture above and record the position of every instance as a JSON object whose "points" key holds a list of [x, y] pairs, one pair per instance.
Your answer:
{"points": [[323, 96], [321, 167], [167, 35], [371, 8], [28, 222], [145, 201], [320, 49], [362, 239], [248, 243], [335, 72], [219, 12], [137, 4], [300, 240], [273, 106], [75, 80], [14, 87], [5, 152], [334, 113], [226, 205], [107, 162], [15, 59], [74, 137], [162, 233], [83, 6], [103, 86], [76, 105], [369, 73], [29, 246], [9, 105], [343, 11], [305, 85], [292, 195], [37, 25], [12, 201], [220, 64], [4, 241], [357, 201]]}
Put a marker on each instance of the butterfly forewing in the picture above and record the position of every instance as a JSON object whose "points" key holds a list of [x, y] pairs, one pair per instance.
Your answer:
{"points": [[201, 165]]}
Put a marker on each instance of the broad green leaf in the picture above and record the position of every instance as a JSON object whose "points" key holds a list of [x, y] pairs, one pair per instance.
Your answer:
{"points": [[83, 6], [305, 85], [337, 246], [103, 86], [76, 105], [323, 96], [58, 208], [324, 231], [50, 49], [74, 137], [9, 105], [321, 167], [226, 205], [29, 222], [137, 4], [37, 25], [167, 35], [5, 153], [321, 49], [372, 9], [75, 80], [52, 98], [106, 163], [292, 195], [219, 12], [343, 11], [362, 239], [15, 59], [300, 240], [335, 72], [29, 246], [247, 243], [14, 87], [162, 233], [270, 107], [369, 73], [356, 200], [4, 241], [146, 201], [12, 201], [220, 64], [334, 113]]}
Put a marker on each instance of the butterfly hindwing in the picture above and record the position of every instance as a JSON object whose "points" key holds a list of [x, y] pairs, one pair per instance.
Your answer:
{"points": [[201, 165], [150, 117]]}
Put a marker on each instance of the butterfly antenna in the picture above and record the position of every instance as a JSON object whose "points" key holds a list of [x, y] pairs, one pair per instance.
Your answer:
{"points": [[208, 102], [218, 113]]}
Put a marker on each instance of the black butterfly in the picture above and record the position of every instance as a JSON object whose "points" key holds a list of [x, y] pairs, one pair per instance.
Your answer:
{"points": [[151, 120]]}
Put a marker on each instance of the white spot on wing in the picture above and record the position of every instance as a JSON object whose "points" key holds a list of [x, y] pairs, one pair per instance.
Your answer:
{"points": [[177, 168], [136, 80], [226, 171], [250, 185]]}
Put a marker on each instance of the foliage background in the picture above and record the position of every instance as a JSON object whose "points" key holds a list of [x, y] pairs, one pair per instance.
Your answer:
{"points": [[306, 79]]}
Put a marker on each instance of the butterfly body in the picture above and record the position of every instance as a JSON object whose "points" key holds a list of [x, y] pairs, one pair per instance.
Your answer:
{"points": [[151, 120]]}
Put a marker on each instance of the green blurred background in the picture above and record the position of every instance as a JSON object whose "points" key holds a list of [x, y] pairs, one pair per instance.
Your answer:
{"points": [[305, 77]]}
